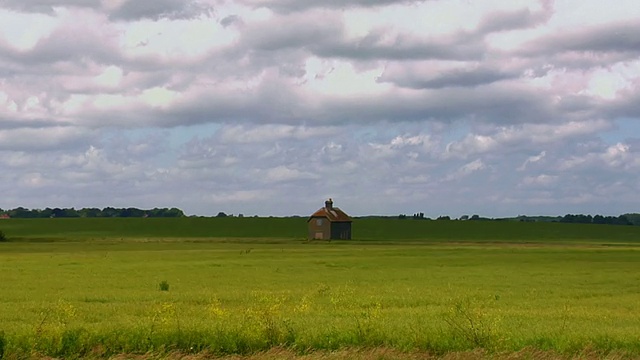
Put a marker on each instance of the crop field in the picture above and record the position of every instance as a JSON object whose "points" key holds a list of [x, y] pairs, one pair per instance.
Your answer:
{"points": [[253, 287]]}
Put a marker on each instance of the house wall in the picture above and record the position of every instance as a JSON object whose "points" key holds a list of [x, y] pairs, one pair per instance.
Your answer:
{"points": [[341, 230], [320, 231]]}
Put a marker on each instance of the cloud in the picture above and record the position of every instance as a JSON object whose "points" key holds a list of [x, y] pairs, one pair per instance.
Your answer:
{"points": [[431, 75], [282, 32], [615, 158], [300, 5], [43, 139], [379, 45], [527, 136], [47, 6], [542, 180], [618, 37], [272, 133], [532, 159], [283, 173], [515, 19], [158, 9], [447, 106]]}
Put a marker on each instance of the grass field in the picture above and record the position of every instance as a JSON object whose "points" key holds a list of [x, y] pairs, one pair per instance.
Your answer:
{"points": [[91, 288], [295, 228]]}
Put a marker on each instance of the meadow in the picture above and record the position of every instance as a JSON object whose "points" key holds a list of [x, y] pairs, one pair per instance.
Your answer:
{"points": [[72, 288]]}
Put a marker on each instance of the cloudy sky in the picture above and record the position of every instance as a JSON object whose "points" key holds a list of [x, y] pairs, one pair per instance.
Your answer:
{"points": [[267, 107]]}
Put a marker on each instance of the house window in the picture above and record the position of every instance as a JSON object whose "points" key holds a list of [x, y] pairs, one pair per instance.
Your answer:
{"points": [[318, 222]]}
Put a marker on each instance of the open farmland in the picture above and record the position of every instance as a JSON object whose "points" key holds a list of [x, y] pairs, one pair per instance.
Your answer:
{"points": [[91, 287]]}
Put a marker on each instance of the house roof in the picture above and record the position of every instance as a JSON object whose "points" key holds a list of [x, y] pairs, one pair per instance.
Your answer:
{"points": [[334, 214]]}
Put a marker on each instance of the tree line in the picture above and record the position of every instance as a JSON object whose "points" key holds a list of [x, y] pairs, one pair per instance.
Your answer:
{"points": [[597, 219], [625, 219], [21, 212]]}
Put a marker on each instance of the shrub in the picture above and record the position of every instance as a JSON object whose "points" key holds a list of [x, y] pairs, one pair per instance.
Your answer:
{"points": [[3, 238], [164, 285]]}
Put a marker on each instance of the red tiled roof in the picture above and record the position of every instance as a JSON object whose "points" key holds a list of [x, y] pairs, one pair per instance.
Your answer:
{"points": [[334, 214]]}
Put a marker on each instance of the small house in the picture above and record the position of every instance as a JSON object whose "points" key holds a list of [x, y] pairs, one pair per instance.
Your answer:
{"points": [[329, 223]]}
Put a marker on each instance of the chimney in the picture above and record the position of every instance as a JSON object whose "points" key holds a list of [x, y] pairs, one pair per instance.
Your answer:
{"points": [[328, 204]]}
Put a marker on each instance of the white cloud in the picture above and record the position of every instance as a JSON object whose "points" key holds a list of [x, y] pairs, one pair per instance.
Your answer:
{"points": [[271, 133], [283, 173], [242, 196], [23, 31], [532, 159], [466, 170], [543, 180]]}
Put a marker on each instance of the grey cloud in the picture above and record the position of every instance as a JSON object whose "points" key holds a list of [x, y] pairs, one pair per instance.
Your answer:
{"points": [[7, 123], [470, 77], [283, 106], [44, 139], [457, 47], [156, 9], [496, 105], [46, 6], [230, 20], [519, 19], [321, 33], [618, 37], [67, 44], [285, 32], [586, 60], [301, 5], [627, 104], [277, 102]]}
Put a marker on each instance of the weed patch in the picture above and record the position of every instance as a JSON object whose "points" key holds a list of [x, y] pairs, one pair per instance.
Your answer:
{"points": [[164, 285], [471, 321]]}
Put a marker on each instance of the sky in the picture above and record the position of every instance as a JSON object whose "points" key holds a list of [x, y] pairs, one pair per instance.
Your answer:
{"points": [[269, 107]]}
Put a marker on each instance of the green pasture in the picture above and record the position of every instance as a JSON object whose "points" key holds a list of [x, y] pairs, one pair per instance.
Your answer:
{"points": [[379, 229], [91, 287]]}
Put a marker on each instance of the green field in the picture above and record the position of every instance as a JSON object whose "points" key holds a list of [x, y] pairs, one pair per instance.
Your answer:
{"points": [[91, 287]]}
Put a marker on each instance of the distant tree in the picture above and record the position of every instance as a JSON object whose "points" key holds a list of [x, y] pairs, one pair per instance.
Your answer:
{"points": [[221, 214], [155, 212], [109, 212], [56, 212], [90, 212], [46, 213], [132, 212], [444, 217], [70, 213], [578, 219], [175, 212], [622, 220], [475, 217], [402, 216], [634, 218], [20, 212]]}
